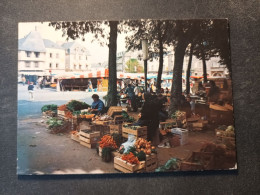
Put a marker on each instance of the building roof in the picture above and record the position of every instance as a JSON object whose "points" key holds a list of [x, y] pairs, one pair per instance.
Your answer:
{"points": [[74, 45], [51, 44], [32, 42]]}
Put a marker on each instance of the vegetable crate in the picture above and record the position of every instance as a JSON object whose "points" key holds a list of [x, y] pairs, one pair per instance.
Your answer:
{"points": [[61, 113], [126, 167], [115, 129], [151, 162], [183, 133], [75, 137], [89, 139], [114, 110], [198, 125], [140, 132]]}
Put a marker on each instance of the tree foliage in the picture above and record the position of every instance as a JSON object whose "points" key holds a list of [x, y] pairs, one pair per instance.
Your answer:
{"points": [[133, 66], [78, 30]]}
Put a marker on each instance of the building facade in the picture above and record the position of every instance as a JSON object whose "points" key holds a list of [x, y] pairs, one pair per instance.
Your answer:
{"points": [[76, 59]]}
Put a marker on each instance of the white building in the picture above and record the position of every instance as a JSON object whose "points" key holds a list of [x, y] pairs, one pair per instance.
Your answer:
{"points": [[76, 57], [55, 57], [31, 54]]}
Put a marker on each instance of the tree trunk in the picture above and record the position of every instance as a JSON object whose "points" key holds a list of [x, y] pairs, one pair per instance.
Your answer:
{"points": [[188, 70], [204, 68], [112, 88], [145, 75], [176, 90], [160, 70]]}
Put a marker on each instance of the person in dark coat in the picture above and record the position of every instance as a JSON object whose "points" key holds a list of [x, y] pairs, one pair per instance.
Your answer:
{"points": [[130, 91], [149, 116]]}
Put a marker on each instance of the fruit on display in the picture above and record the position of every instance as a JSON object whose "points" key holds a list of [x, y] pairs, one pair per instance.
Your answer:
{"points": [[145, 146]]}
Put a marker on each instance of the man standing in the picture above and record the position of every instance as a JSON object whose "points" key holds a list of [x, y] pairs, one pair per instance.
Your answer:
{"points": [[97, 106], [23, 80], [131, 94], [30, 89]]}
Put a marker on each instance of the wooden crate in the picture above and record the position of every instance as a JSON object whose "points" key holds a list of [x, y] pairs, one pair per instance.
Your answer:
{"points": [[98, 122], [217, 107], [89, 135], [89, 139], [93, 145], [75, 137], [115, 129], [114, 110], [151, 163], [190, 166], [118, 119], [126, 167], [140, 132]]}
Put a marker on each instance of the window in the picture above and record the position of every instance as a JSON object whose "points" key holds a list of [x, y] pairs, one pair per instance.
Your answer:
{"points": [[37, 54], [28, 54], [57, 55], [27, 64], [57, 65], [50, 65], [80, 67], [36, 64], [50, 55], [80, 57], [75, 66], [86, 66], [86, 57]]}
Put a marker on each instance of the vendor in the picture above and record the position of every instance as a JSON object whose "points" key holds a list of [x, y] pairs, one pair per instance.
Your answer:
{"points": [[97, 106]]}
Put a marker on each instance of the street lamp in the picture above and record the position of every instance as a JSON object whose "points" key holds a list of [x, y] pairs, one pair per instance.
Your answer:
{"points": [[145, 58]]}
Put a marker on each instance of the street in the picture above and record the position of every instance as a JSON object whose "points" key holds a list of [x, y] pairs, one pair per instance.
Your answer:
{"points": [[40, 152], [27, 108]]}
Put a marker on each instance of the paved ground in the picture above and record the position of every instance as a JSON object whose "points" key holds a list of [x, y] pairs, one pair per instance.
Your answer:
{"points": [[40, 152]]}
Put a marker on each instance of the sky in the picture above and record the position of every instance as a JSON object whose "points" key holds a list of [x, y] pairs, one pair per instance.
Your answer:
{"points": [[98, 53]]}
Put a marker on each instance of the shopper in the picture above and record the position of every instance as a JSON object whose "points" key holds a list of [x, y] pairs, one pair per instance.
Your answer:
{"points": [[97, 106], [131, 94], [30, 90], [23, 80], [149, 117], [213, 95]]}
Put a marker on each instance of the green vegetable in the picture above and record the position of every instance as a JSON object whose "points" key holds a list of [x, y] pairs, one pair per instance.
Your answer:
{"points": [[141, 156], [54, 122], [172, 164], [106, 154], [76, 113], [51, 107], [75, 105], [131, 149]]}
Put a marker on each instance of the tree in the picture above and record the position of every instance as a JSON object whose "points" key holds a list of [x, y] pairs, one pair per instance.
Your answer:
{"points": [[133, 66], [152, 30], [188, 69], [77, 30]]}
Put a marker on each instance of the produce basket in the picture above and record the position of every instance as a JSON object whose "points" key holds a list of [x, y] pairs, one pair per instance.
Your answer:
{"points": [[75, 137], [126, 167], [139, 132], [115, 129], [114, 110], [89, 138], [151, 162]]}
